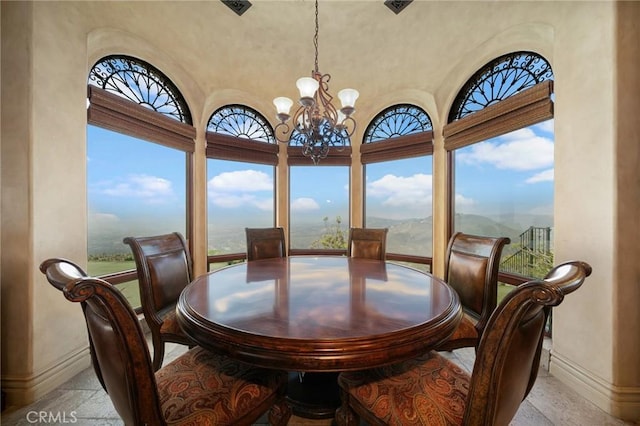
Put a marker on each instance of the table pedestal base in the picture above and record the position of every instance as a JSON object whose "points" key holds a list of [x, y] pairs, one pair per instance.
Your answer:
{"points": [[316, 397]]}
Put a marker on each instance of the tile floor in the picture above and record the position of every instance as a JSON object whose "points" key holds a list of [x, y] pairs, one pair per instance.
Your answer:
{"points": [[549, 403]]}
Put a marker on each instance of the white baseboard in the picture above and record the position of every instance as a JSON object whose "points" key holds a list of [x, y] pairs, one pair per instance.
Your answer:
{"points": [[619, 401], [21, 391]]}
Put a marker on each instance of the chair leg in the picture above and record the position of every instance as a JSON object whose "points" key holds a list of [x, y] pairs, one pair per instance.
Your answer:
{"points": [[280, 413], [158, 353], [345, 416]]}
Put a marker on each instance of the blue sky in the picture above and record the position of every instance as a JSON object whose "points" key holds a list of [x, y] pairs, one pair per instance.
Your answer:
{"points": [[127, 177]]}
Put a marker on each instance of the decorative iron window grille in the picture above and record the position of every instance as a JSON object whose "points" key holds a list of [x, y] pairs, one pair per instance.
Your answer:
{"points": [[397, 120], [499, 79], [242, 122], [141, 83]]}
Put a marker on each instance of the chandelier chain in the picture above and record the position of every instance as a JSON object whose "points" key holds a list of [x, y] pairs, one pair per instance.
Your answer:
{"points": [[315, 38], [317, 124]]}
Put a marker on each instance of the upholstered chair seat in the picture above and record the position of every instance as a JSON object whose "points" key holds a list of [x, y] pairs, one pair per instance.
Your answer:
{"points": [[199, 388], [170, 327], [431, 390], [428, 390]]}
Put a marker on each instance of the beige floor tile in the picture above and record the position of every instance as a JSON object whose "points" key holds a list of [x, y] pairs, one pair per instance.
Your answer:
{"points": [[550, 401]]}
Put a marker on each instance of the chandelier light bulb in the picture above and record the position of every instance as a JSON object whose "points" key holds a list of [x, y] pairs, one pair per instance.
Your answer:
{"points": [[348, 99], [307, 87], [283, 106]]}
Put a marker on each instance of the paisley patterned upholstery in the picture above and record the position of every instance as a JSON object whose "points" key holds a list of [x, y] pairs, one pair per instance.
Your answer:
{"points": [[466, 330], [170, 324], [198, 388], [429, 390], [201, 388]]}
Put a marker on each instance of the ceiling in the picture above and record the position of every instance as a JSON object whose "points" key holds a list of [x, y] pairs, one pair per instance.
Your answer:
{"points": [[362, 44]]}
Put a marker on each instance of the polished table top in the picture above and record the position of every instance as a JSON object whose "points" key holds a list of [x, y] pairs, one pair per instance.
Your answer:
{"points": [[318, 313]]}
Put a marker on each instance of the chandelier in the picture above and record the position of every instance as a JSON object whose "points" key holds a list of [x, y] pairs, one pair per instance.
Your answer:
{"points": [[317, 124]]}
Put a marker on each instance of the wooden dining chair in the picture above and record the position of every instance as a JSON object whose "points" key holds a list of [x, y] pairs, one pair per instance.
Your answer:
{"points": [[433, 390], [197, 388], [471, 268], [265, 243], [367, 243], [164, 269]]}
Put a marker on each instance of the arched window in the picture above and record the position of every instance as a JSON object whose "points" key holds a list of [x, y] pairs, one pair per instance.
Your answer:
{"points": [[140, 83], [500, 134], [397, 120], [498, 80], [242, 122], [241, 157], [396, 153], [139, 135]]}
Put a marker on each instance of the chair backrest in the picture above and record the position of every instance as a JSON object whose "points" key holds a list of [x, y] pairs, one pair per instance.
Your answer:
{"points": [[121, 358], [164, 270], [471, 268], [265, 243], [59, 272], [367, 243], [508, 356]]}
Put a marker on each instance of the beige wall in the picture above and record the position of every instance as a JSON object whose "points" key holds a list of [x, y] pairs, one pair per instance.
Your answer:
{"points": [[585, 201], [51, 47], [626, 294]]}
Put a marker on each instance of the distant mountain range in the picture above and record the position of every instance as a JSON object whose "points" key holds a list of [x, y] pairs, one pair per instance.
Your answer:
{"points": [[405, 236]]}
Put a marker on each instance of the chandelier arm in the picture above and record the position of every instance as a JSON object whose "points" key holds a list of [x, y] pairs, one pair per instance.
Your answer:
{"points": [[302, 120], [281, 128], [324, 98], [348, 126]]}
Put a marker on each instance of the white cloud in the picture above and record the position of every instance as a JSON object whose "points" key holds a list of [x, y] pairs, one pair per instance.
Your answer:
{"points": [[544, 176], [397, 191], [265, 204], [546, 126], [229, 201], [304, 204], [241, 181], [103, 218], [519, 150], [236, 189], [546, 210], [148, 188], [461, 200]]}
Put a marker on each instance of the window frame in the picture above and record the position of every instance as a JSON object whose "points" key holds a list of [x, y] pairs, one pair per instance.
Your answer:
{"points": [[237, 148], [412, 145], [110, 109], [531, 104]]}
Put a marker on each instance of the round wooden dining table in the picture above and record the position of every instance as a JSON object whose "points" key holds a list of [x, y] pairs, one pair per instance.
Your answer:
{"points": [[318, 313]]}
